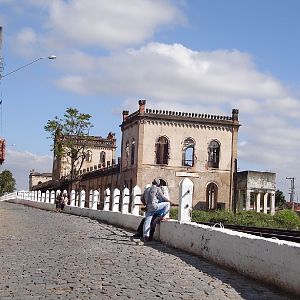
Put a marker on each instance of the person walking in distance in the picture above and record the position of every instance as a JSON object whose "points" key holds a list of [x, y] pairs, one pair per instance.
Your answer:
{"points": [[156, 203]]}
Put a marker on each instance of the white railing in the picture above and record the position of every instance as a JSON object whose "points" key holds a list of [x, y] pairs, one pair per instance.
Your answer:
{"points": [[112, 200]]}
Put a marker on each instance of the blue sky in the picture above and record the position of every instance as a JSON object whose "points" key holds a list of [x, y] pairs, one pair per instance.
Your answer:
{"points": [[207, 56]]}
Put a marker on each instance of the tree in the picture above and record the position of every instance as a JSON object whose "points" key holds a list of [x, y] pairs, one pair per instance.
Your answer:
{"points": [[279, 199], [71, 136], [7, 182]]}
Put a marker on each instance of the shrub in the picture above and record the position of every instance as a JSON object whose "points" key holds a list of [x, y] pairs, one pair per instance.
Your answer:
{"points": [[287, 219]]}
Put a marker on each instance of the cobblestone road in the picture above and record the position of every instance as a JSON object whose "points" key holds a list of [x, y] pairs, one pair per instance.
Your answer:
{"points": [[47, 255]]}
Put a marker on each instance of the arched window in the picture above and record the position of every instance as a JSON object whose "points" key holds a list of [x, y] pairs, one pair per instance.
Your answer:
{"points": [[88, 156], [132, 151], [102, 158], [188, 152], [162, 151], [213, 154], [126, 152], [211, 196]]}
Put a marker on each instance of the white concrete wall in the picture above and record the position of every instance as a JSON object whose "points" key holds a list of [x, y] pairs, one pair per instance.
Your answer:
{"points": [[271, 261]]}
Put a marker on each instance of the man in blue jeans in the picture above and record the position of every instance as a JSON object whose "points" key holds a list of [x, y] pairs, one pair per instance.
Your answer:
{"points": [[156, 203]]}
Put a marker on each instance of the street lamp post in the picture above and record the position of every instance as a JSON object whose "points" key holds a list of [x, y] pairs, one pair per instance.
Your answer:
{"points": [[32, 62]]}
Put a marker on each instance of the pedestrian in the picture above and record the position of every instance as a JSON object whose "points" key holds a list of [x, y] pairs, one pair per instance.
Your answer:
{"points": [[64, 200], [58, 200], [156, 203]]}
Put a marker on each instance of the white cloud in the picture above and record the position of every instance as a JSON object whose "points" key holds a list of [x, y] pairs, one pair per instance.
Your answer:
{"points": [[20, 164], [110, 24]]}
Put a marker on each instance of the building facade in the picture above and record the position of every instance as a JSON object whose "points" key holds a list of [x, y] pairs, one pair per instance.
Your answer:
{"points": [[171, 146]]}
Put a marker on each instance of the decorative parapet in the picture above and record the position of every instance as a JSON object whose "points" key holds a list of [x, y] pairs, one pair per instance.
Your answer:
{"points": [[180, 117]]}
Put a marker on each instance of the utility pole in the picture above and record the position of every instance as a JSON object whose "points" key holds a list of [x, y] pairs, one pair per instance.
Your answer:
{"points": [[292, 193]]}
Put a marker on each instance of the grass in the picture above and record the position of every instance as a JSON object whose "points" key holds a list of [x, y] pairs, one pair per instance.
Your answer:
{"points": [[283, 219]]}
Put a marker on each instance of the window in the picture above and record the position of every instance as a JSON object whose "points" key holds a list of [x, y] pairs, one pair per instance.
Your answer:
{"points": [[213, 154], [211, 196], [188, 152], [132, 151], [126, 153], [102, 158], [88, 156], [162, 151]]}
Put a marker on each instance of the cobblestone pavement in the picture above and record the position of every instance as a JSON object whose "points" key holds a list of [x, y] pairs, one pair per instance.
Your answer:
{"points": [[47, 255]]}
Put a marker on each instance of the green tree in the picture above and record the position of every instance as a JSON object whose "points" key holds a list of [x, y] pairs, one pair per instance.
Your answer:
{"points": [[71, 136], [7, 182], [279, 199]]}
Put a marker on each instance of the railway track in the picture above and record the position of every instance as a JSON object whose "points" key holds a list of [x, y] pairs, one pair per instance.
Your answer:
{"points": [[281, 234]]}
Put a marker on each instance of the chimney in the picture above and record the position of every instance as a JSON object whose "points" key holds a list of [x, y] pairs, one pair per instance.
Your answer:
{"points": [[142, 104], [235, 115], [125, 114]]}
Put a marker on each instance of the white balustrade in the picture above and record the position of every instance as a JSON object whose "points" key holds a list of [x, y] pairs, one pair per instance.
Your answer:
{"points": [[95, 199], [136, 201], [185, 200], [91, 199], [106, 199], [73, 198], [82, 198], [125, 201], [116, 200]]}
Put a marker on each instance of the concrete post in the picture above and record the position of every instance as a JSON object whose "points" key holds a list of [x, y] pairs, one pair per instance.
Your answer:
{"points": [[272, 203], [73, 198], [39, 196], [91, 199], [258, 202], [47, 196], [77, 199], [106, 199], [43, 197], [136, 201], [125, 201], [185, 200], [35, 195], [116, 200], [52, 197], [95, 199], [265, 207], [82, 198]]}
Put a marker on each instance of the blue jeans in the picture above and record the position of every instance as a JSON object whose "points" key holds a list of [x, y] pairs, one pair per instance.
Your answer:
{"points": [[162, 209]]}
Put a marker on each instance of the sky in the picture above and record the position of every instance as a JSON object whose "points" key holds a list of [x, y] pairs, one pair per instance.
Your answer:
{"points": [[204, 56]]}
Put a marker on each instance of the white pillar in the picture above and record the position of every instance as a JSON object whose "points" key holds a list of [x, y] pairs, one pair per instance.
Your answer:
{"points": [[77, 204], [248, 197], [265, 206], [39, 196], [136, 201], [91, 199], [258, 202], [47, 196], [82, 198], [185, 200], [106, 199], [116, 200], [95, 199], [73, 198], [125, 201], [52, 197], [272, 203]]}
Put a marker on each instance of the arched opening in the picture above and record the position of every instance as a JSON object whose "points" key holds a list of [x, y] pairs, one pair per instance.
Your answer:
{"points": [[162, 151], [188, 154], [211, 196], [214, 154]]}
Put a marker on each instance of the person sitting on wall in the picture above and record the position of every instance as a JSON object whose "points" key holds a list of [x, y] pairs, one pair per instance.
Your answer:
{"points": [[156, 203], [155, 218]]}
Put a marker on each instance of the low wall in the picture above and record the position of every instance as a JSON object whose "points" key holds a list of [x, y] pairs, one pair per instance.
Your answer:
{"points": [[268, 260]]}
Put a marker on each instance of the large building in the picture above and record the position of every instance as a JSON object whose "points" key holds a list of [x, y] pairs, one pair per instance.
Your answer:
{"points": [[171, 146]]}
